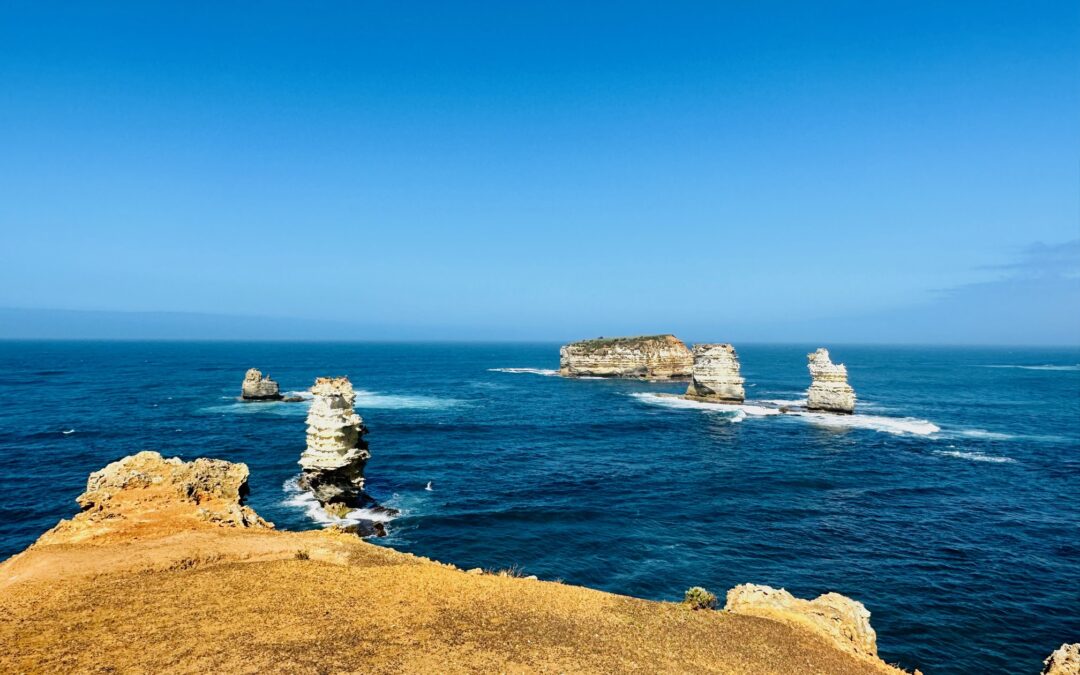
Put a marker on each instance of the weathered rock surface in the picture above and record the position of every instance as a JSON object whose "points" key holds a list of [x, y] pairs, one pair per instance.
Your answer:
{"points": [[259, 387], [845, 621], [829, 389], [716, 374], [336, 453], [650, 357], [210, 490], [1065, 660]]}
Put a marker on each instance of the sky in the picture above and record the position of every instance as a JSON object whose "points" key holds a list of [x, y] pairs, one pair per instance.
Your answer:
{"points": [[852, 171]]}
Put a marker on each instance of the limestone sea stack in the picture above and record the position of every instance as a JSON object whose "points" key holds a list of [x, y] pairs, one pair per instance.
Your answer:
{"points": [[259, 387], [716, 374], [336, 453], [647, 357], [829, 388]]}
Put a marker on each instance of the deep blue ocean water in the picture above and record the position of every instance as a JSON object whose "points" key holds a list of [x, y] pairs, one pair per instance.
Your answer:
{"points": [[963, 542]]}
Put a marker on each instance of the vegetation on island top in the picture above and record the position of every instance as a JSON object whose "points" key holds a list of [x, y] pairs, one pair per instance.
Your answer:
{"points": [[602, 341]]}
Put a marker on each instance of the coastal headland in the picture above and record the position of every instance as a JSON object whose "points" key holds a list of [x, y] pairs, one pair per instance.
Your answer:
{"points": [[165, 569]]}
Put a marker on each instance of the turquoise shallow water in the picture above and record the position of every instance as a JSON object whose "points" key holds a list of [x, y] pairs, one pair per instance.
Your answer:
{"points": [[950, 505]]}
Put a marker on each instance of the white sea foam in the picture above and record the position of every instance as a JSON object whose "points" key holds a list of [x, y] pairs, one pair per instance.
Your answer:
{"points": [[260, 408], [783, 402], [303, 393], [975, 456], [740, 411], [981, 433], [1047, 366], [369, 399], [546, 372], [302, 499], [365, 400], [891, 425], [68, 432]]}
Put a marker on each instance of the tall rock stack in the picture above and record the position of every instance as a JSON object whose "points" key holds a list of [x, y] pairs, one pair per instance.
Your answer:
{"points": [[259, 387], [648, 357], [336, 453], [829, 388], [716, 374]]}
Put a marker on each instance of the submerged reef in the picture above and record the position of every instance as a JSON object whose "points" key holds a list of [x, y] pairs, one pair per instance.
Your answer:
{"points": [[716, 374], [646, 357], [829, 389], [259, 387]]}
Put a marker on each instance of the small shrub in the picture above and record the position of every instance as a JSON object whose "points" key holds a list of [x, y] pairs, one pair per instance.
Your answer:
{"points": [[699, 598], [512, 571], [302, 555]]}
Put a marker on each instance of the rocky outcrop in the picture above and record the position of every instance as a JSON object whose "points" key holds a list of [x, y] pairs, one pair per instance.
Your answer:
{"points": [[829, 388], [845, 621], [649, 357], [259, 387], [1065, 660], [716, 374], [147, 487], [336, 453]]}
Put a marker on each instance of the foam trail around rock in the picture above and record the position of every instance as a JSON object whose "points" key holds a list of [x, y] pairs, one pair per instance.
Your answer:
{"points": [[892, 425], [546, 372]]}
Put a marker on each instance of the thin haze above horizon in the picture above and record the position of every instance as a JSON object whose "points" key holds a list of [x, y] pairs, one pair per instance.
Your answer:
{"points": [[861, 172]]}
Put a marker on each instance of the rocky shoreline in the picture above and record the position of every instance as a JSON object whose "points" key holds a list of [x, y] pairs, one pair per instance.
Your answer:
{"points": [[177, 538]]}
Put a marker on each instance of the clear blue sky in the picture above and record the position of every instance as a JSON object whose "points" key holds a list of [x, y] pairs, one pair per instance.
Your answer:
{"points": [[883, 171]]}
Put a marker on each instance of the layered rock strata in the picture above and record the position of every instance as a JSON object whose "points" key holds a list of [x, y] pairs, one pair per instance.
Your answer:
{"points": [[649, 357], [336, 453], [259, 387], [845, 621], [716, 374], [1065, 660], [829, 389]]}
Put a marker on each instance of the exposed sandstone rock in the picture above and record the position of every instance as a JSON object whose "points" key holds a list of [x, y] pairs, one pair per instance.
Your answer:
{"points": [[716, 374], [652, 357], [829, 388], [336, 453], [259, 387], [1065, 660], [845, 621], [145, 485]]}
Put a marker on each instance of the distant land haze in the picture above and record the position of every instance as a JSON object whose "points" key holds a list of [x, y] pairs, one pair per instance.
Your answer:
{"points": [[1030, 313]]}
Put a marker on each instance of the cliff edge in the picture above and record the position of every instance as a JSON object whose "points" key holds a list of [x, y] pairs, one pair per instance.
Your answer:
{"points": [[166, 570]]}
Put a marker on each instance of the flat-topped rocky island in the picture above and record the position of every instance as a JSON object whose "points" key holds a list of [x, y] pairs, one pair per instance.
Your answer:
{"points": [[651, 357]]}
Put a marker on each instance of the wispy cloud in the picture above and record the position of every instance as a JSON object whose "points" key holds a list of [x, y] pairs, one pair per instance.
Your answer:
{"points": [[1040, 260]]}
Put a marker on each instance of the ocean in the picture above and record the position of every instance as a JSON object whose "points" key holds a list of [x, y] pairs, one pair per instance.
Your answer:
{"points": [[949, 504]]}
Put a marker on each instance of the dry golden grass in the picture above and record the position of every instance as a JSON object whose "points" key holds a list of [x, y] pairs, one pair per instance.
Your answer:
{"points": [[213, 599]]}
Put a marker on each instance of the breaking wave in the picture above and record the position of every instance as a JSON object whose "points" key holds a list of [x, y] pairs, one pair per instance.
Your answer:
{"points": [[975, 456], [297, 498], [891, 425], [369, 400], [365, 400], [899, 426], [546, 372], [989, 435]]}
